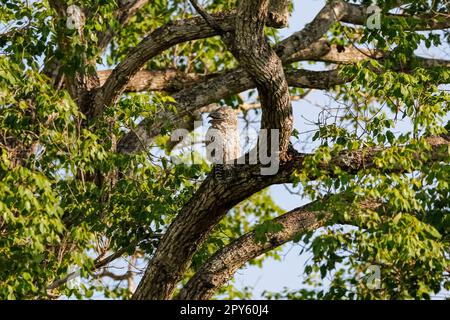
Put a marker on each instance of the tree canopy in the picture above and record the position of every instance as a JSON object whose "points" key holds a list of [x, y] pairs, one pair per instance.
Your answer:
{"points": [[92, 92]]}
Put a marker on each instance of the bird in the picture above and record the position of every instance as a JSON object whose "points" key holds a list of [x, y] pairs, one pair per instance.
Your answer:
{"points": [[222, 139], [75, 19]]}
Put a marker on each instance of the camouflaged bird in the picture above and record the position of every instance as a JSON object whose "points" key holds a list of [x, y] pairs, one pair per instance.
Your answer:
{"points": [[222, 139]]}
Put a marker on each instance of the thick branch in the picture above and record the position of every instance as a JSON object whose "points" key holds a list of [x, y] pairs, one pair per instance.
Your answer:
{"points": [[193, 224], [196, 28], [159, 40], [221, 267], [169, 80], [218, 87], [313, 31], [261, 62], [216, 197], [324, 52], [173, 81]]}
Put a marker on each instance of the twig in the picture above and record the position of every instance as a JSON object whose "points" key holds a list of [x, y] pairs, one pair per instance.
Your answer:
{"points": [[207, 17]]}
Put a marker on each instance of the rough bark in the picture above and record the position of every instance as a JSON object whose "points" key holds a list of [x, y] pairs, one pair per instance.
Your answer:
{"points": [[279, 12], [261, 62], [216, 197], [170, 80], [221, 267], [156, 42], [261, 67], [191, 227]]}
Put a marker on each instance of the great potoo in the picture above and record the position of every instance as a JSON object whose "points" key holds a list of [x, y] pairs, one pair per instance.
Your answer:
{"points": [[222, 139]]}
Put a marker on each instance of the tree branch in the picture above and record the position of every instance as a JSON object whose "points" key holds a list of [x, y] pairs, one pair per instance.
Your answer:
{"points": [[261, 62], [99, 263], [173, 81], [207, 17], [220, 268], [216, 197], [197, 28], [159, 40], [324, 52], [211, 90], [117, 277], [170, 80]]}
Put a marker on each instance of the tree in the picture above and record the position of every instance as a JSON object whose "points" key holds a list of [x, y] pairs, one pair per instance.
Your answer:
{"points": [[87, 177]]}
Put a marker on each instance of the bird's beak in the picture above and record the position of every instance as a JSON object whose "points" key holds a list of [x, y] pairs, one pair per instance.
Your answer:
{"points": [[214, 116]]}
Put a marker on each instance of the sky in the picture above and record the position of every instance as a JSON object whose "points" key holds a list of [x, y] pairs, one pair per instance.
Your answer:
{"points": [[276, 275]]}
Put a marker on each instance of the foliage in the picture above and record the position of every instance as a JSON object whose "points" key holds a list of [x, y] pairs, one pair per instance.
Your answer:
{"points": [[407, 236], [64, 209]]}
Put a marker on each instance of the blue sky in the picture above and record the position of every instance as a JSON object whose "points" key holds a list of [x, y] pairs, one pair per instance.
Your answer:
{"points": [[275, 275]]}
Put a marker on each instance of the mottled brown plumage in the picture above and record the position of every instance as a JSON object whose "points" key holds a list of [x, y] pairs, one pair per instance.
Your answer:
{"points": [[222, 139]]}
